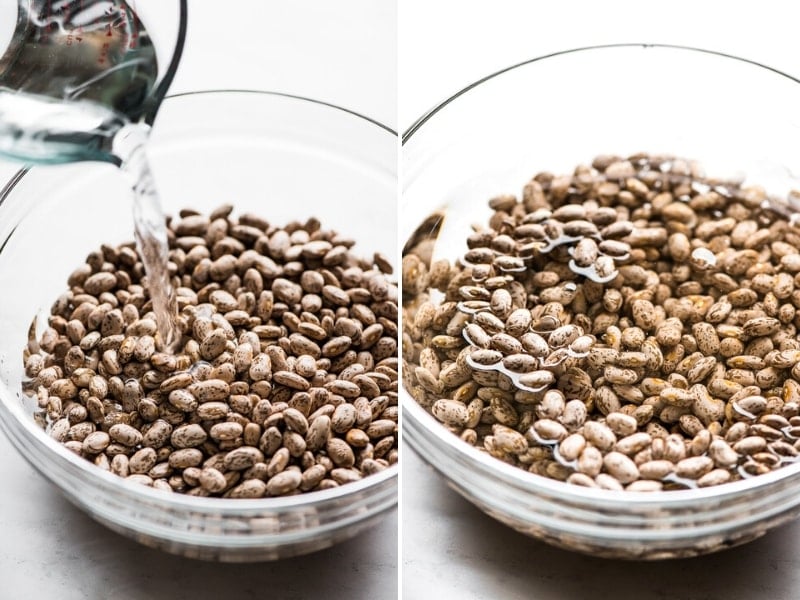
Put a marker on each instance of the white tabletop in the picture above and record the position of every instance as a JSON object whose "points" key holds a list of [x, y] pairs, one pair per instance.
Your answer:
{"points": [[451, 550], [49, 549]]}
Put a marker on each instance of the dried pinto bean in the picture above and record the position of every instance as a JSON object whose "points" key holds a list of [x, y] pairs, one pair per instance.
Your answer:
{"points": [[285, 372], [660, 303]]}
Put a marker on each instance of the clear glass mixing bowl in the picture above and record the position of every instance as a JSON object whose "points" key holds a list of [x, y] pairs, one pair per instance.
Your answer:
{"points": [[737, 118], [282, 157]]}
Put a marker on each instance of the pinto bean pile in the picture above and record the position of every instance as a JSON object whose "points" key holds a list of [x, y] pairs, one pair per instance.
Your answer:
{"points": [[285, 379], [632, 325]]}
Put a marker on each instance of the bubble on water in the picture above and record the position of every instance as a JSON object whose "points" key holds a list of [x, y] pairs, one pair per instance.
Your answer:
{"points": [[788, 460], [512, 269], [559, 241], [700, 188], [539, 215], [745, 413], [723, 191], [479, 276], [471, 307], [683, 481], [787, 433], [466, 263], [475, 366], [570, 464], [540, 440], [499, 367], [199, 367], [591, 273], [546, 324], [204, 311], [555, 358], [471, 293], [703, 258], [469, 340]]}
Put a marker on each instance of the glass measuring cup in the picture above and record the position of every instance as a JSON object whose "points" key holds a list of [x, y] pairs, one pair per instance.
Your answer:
{"points": [[75, 73]]}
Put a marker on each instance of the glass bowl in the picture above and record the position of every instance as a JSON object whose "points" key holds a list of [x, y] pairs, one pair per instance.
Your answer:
{"points": [[282, 157], [737, 118]]}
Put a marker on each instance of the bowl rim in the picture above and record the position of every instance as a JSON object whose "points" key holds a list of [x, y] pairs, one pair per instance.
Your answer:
{"points": [[420, 121], [533, 483], [9, 185], [413, 412], [12, 405], [288, 96]]}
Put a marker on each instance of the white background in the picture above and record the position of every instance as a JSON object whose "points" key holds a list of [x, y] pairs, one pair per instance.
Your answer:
{"points": [[447, 44], [450, 550], [343, 52]]}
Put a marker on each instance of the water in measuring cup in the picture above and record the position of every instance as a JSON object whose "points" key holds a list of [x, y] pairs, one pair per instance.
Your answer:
{"points": [[75, 83], [74, 73]]}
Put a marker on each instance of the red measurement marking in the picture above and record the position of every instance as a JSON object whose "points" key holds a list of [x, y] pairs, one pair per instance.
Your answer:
{"points": [[79, 28], [110, 11], [134, 39], [48, 13], [103, 54]]}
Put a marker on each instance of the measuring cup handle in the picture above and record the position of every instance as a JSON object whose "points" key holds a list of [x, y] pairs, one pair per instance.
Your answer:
{"points": [[161, 90]]}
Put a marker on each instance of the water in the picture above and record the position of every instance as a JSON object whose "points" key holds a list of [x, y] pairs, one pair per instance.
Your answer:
{"points": [[703, 258], [151, 240], [76, 82], [44, 130]]}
